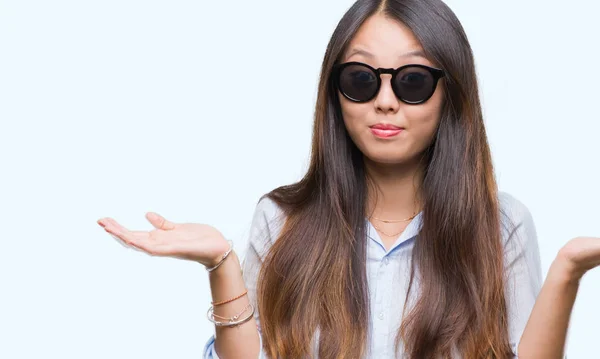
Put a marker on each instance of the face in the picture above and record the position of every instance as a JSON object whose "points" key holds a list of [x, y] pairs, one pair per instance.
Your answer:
{"points": [[386, 43]]}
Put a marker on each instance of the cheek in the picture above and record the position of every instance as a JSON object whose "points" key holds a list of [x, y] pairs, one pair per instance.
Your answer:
{"points": [[423, 122], [424, 119], [355, 116]]}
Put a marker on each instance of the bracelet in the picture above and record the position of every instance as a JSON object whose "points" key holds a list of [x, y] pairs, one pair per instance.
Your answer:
{"points": [[223, 258], [229, 300], [232, 321], [235, 316]]}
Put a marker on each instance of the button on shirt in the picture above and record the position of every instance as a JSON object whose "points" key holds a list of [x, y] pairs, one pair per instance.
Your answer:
{"points": [[388, 272]]}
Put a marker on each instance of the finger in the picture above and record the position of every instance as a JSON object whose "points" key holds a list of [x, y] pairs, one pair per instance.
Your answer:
{"points": [[119, 240], [126, 245], [136, 237], [117, 228], [110, 228], [161, 250], [136, 243], [159, 222], [127, 236], [102, 222], [113, 226], [138, 240]]}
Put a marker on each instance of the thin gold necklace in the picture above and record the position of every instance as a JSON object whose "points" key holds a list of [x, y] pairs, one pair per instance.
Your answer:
{"points": [[395, 220], [387, 234], [392, 221]]}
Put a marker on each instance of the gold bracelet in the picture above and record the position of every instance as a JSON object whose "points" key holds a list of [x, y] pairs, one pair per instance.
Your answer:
{"points": [[229, 300]]}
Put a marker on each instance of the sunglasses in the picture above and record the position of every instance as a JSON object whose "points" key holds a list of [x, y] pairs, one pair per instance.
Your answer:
{"points": [[412, 84]]}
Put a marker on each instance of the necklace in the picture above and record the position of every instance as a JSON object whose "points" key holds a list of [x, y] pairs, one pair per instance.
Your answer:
{"points": [[387, 234], [395, 220], [391, 221]]}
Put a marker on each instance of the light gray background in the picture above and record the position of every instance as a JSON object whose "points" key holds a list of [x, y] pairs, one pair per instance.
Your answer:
{"points": [[194, 109]]}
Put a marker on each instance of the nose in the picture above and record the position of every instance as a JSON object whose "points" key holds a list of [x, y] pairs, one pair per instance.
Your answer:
{"points": [[386, 100]]}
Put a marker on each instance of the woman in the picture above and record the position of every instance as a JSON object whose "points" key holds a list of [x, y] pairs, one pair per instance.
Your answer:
{"points": [[396, 243]]}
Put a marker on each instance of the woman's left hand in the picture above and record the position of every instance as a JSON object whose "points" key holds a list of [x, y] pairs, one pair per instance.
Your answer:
{"points": [[580, 255]]}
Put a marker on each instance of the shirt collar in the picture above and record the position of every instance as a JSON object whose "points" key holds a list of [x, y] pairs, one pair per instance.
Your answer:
{"points": [[411, 231]]}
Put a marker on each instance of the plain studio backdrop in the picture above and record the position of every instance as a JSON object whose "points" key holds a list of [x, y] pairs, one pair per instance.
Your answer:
{"points": [[194, 109]]}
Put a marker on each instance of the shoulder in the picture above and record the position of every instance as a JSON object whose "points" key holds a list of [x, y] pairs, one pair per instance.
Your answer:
{"points": [[512, 210], [267, 222], [268, 213], [517, 224]]}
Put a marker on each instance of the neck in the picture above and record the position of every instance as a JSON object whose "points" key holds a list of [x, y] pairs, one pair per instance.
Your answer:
{"points": [[394, 193]]}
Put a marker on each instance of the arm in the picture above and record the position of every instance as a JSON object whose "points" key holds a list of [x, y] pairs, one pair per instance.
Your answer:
{"points": [[522, 266], [546, 330], [264, 229], [205, 244], [539, 315], [233, 342]]}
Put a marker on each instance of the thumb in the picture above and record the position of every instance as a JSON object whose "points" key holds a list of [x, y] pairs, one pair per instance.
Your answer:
{"points": [[159, 222]]}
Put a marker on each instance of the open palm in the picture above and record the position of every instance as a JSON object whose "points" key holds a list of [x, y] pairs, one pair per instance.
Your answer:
{"points": [[583, 253], [192, 241]]}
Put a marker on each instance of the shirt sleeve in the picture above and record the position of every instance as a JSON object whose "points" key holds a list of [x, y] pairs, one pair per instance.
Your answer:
{"points": [[265, 227], [522, 265]]}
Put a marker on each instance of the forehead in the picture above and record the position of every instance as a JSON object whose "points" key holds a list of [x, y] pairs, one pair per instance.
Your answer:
{"points": [[385, 42]]}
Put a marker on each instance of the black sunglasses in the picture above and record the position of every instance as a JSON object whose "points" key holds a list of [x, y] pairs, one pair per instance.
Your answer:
{"points": [[413, 84]]}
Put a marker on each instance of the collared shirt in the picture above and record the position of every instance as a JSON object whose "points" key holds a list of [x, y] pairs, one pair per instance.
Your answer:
{"points": [[388, 272]]}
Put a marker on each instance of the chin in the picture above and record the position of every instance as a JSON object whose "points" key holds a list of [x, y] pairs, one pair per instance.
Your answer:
{"points": [[388, 158]]}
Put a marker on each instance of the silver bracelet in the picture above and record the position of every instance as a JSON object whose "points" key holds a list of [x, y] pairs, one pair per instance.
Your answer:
{"points": [[223, 258], [232, 321], [235, 316]]}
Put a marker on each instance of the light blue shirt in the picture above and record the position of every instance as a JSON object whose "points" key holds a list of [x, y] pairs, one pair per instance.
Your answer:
{"points": [[388, 272]]}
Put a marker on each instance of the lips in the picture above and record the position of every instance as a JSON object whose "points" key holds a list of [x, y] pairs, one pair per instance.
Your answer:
{"points": [[386, 127], [386, 130]]}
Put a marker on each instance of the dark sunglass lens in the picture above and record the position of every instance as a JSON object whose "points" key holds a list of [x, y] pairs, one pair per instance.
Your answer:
{"points": [[414, 84], [358, 82]]}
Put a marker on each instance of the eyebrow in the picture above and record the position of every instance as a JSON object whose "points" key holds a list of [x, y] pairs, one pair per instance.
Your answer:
{"points": [[413, 53]]}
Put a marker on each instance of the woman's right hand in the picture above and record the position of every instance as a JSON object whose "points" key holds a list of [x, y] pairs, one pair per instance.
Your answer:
{"points": [[197, 242]]}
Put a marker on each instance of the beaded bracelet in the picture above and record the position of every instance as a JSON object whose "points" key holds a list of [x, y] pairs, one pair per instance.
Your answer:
{"points": [[232, 322], [223, 258]]}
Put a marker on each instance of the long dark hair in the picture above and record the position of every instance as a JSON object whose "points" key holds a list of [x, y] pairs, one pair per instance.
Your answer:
{"points": [[314, 276]]}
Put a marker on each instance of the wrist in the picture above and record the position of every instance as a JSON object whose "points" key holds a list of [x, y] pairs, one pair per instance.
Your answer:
{"points": [[565, 271], [220, 260], [230, 264], [222, 246]]}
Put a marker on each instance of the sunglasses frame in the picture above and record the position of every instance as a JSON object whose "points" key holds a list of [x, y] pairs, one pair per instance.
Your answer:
{"points": [[436, 74]]}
